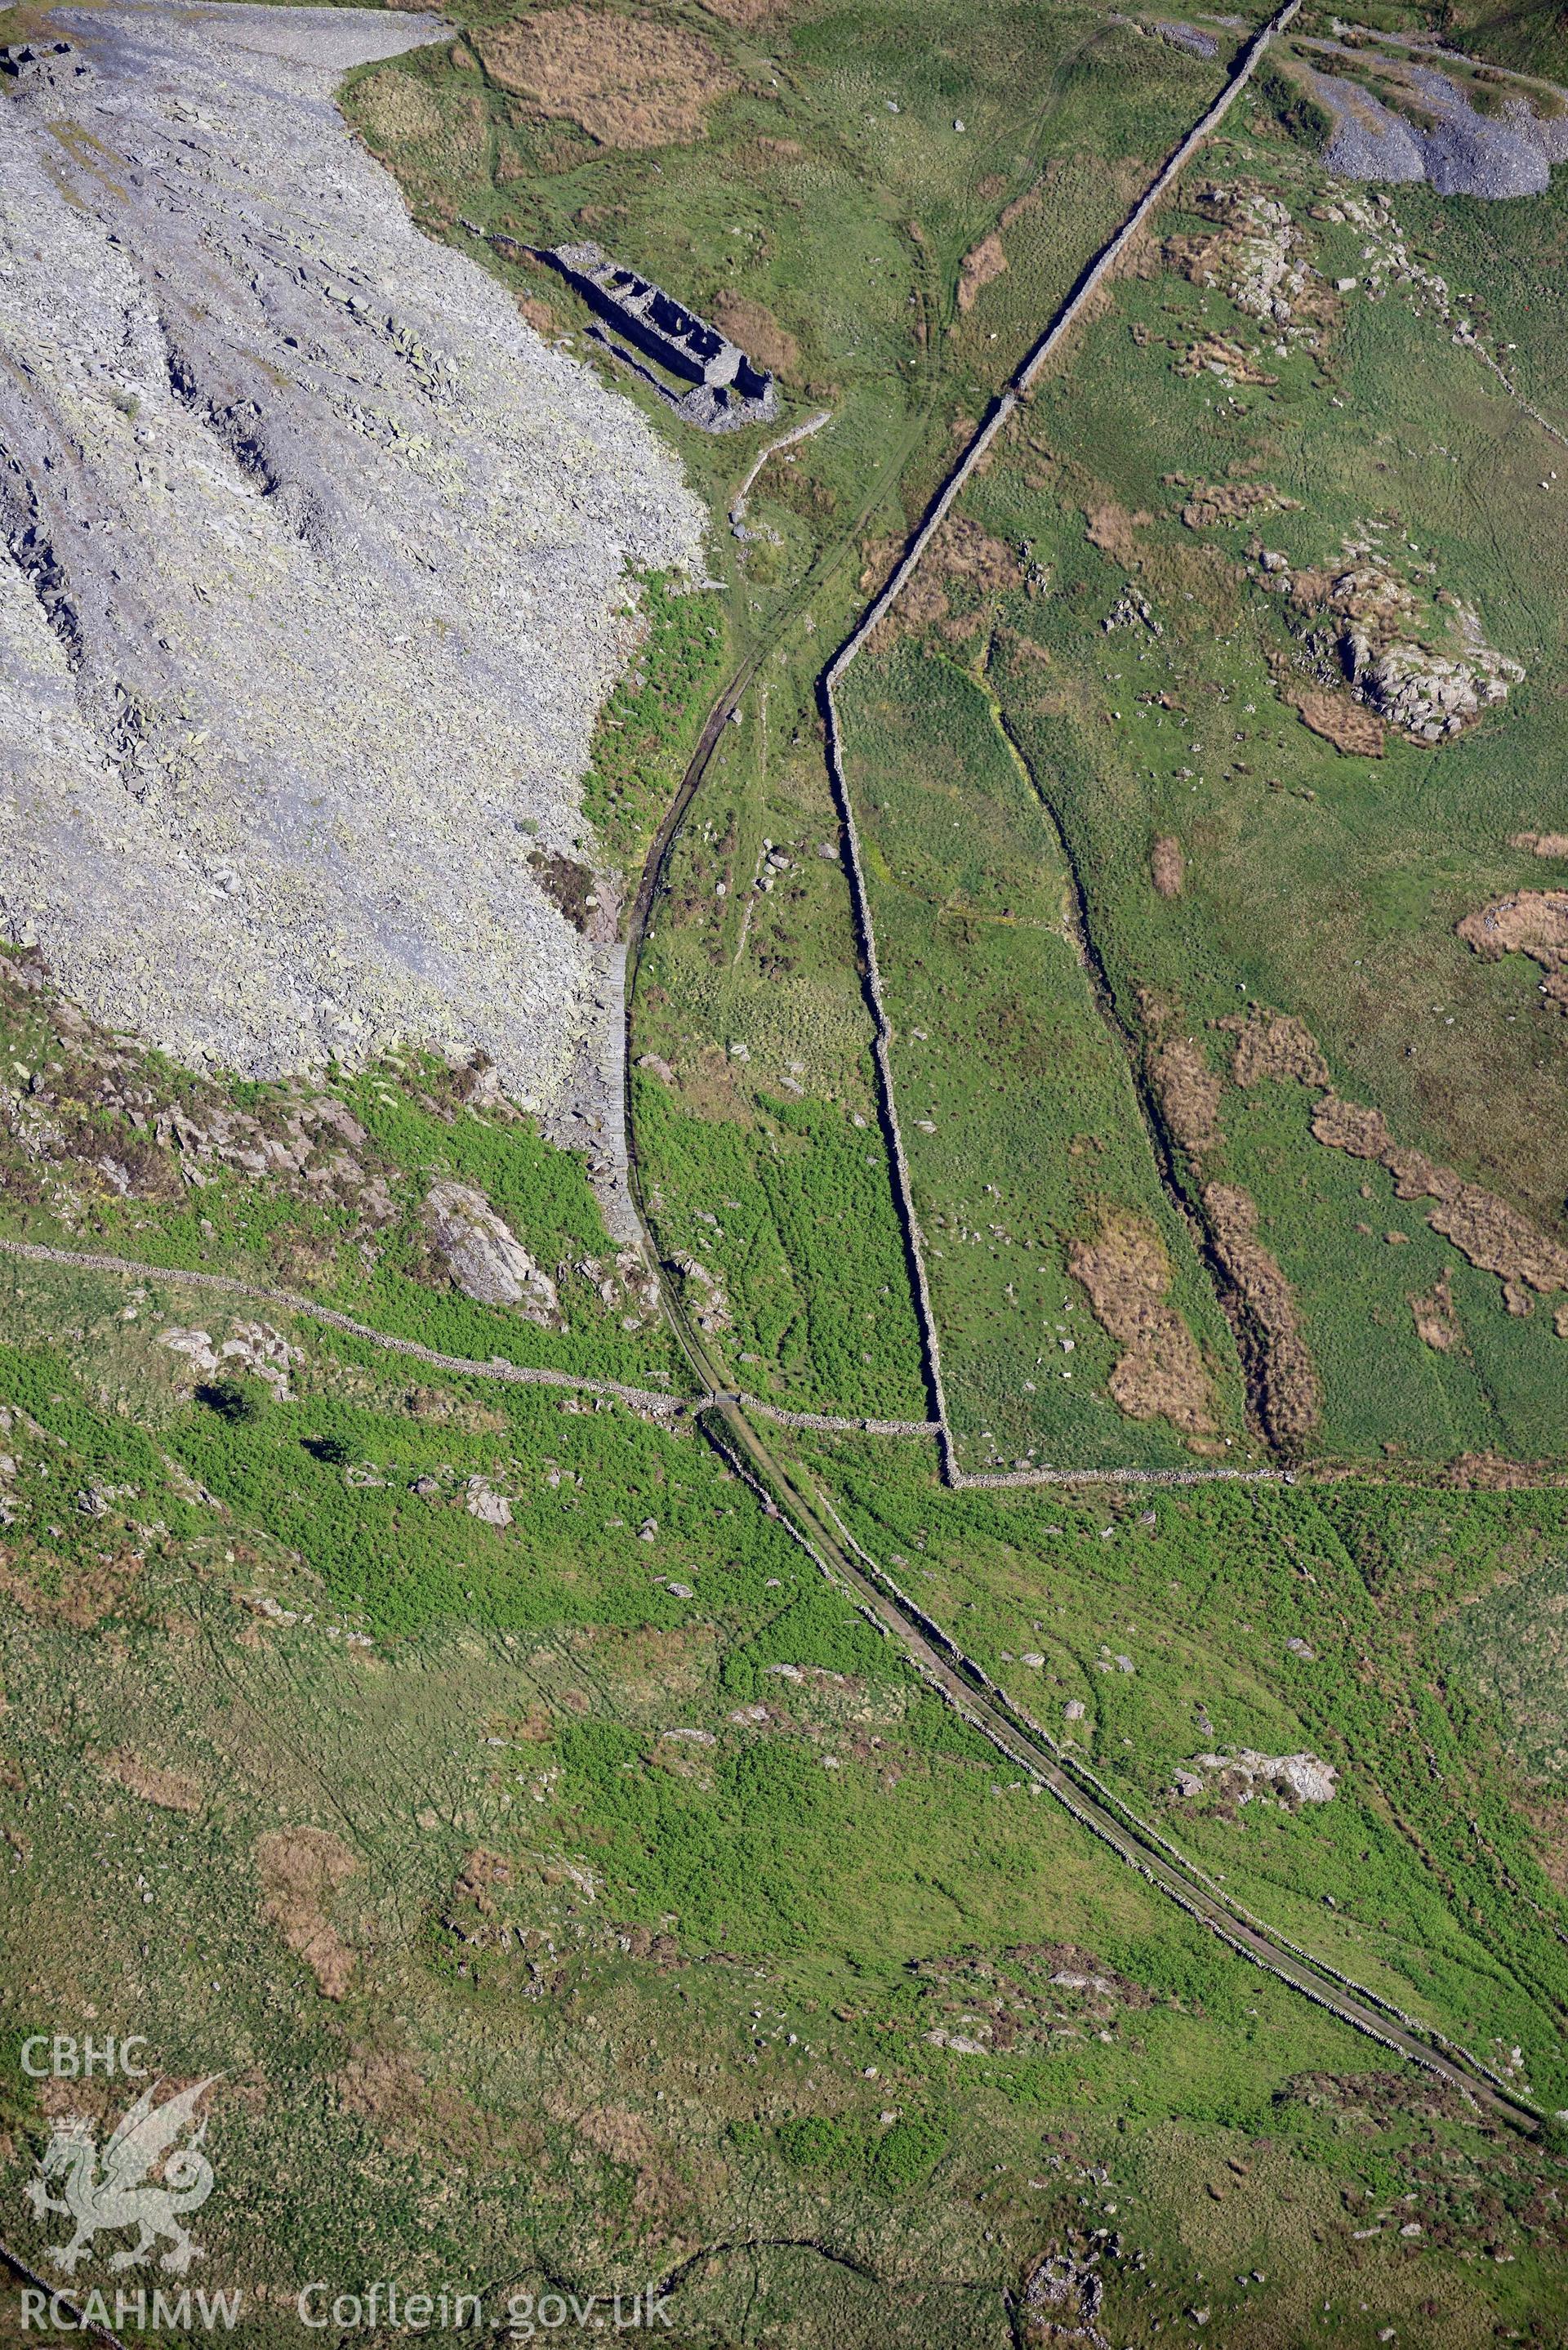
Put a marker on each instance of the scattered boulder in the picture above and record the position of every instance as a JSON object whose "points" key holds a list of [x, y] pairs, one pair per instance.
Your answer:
{"points": [[484, 1502], [253, 1349], [709, 1307]]}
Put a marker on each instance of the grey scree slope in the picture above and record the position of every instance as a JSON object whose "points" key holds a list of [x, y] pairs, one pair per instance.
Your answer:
{"points": [[1463, 154], [315, 570]]}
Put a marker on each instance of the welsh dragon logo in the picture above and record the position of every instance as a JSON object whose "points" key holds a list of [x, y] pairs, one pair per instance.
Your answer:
{"points": [[117, 2190]]}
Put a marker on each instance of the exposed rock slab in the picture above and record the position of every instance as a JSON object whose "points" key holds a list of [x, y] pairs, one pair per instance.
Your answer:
{"points": [[316, 569], [483, 1256]]}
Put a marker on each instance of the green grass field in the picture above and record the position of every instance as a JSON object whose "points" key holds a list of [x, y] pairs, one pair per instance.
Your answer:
{"points": [[599, 1881], [1020, 1117], [1323, 884]]}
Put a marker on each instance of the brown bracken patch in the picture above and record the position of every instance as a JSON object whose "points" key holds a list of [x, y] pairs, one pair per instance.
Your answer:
{"points": [[1113, 530], [1437, 1323], [1213, 502], [1532, 922], [1483, 1228], [746, 13], [961, 550], [979, 264], [566, 883], [1492, 1235], [1347, 1125], [387, 2086], [1381, 2096], [1291, 1396], [1168, 866], [628, 80], [398, 109], [1349, 726], [1276, 1044], [1128, 1273], [84, 1594], [1188, 1093], [1487, 1473], [621, 2135], [1541, 844], [757, 332], [1223, 355], [382, 2084], [300, 1869], [173, 1790], [965, 551]]}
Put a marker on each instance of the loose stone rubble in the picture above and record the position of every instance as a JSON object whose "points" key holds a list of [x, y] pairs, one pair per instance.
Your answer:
{"points": [[314, 572], [1460, 152]]}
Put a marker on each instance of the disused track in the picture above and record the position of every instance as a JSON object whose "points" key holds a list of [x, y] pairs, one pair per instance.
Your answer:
{"points": [[969, 1688]]}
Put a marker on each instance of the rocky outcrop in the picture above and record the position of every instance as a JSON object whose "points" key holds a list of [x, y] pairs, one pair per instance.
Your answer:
{"points": [[253, 1350], [485, 1260], [1416, 655], [1245, 1777], [313, 568], [1430, 695], [704, 1297]]}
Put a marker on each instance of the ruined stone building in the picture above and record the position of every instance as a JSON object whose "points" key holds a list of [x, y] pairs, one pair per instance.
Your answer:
{"points": [[728, 389]]}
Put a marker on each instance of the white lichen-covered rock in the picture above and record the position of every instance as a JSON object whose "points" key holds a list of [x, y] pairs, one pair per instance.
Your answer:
{"points": [[1421, 659], [1301, 1778], [484, 1502], [314, 570], [1273, 270], [252, 1350], [485, 1258], [709, 1305], [1262, 262], [1431, 696]]}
